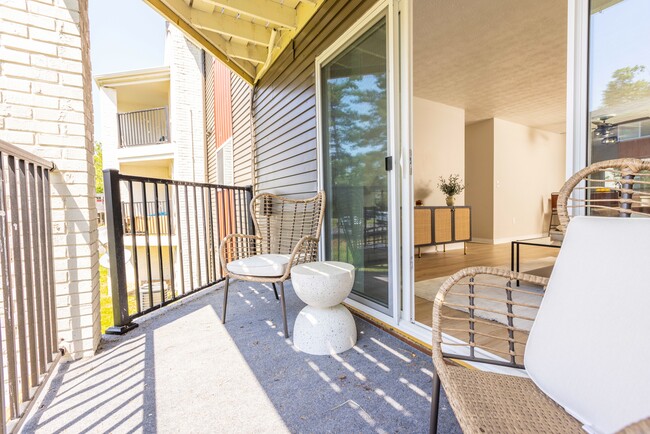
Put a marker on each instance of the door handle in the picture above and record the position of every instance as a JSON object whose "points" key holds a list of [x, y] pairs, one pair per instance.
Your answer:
{"points": [[388, 163]]}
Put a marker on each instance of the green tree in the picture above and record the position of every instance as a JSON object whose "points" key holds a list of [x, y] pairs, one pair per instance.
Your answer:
{"points": [[625, 87], [99, 162]]}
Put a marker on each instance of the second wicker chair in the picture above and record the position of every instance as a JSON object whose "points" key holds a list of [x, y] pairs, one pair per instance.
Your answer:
{"points": [[287, 232]]}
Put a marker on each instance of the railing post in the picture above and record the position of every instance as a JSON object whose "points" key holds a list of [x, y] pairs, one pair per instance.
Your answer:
{"points": [[121, 318], [249, 199]]}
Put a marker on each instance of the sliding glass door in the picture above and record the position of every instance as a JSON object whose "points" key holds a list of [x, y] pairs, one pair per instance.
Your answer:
{"points": [[356, 165]]}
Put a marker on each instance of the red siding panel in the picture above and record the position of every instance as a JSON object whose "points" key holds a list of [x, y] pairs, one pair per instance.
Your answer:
{"points": [[222, 103]]}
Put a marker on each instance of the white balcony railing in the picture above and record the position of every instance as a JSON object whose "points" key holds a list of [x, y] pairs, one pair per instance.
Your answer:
{"points": [[143, 127]]}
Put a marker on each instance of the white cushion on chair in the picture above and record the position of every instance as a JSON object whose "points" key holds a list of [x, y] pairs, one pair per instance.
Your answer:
{"points": [[267, 265], [589, 348]]}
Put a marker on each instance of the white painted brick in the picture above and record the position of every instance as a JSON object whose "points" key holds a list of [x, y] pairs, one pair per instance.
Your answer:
{"points": [[15, 111], [60, 140], [58, 116], [69, 53], [70, 79], [17, 137], [25, 44], [55, 63], [16, 4], [61, 276], [56, 90], [30, 100], [62, 40], [15, 56], [72, 105], [59, 13], [68, 28], [73, 129], [14, 84], [48, 153], [20, 16], [31, 126], [15, 29], [14, 70]]}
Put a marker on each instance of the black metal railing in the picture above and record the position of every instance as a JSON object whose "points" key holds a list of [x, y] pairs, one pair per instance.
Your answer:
{"points": [[154, 212], [28, 326], [143, 127], [159, 267]]}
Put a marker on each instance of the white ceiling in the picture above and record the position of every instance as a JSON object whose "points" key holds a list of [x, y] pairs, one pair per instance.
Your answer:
{"points": [[493, 58]]}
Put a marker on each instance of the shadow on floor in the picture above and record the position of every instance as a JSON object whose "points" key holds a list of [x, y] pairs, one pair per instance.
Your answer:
{"points": [[183, 371]]}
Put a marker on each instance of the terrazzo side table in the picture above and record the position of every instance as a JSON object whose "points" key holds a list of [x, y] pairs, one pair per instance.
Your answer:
{"points": [[324, 326]]}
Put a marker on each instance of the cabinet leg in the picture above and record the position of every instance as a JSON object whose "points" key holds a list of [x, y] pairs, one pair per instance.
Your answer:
{"points": [[464, 248], [444, 248]]}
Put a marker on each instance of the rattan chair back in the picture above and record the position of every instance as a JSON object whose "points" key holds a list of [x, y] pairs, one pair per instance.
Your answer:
{"points": [[613, 188], [281, 222]]}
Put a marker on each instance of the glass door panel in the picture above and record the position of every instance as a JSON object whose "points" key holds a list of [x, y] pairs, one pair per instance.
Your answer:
{"points": [[356, 168]]}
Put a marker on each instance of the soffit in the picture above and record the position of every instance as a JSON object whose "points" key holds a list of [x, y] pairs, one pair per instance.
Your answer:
{"points": [[247, 35], [496, 58]]}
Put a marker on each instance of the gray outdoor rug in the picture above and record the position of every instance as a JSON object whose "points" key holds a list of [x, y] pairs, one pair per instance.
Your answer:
{"points": [[183, 371]]}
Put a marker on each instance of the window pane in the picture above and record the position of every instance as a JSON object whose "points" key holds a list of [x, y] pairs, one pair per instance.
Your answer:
{"points": [[355, 144], [619, 79]]}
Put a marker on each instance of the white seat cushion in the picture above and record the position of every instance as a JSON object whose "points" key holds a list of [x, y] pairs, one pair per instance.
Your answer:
{"points": [[589, 347], [267, 265]]}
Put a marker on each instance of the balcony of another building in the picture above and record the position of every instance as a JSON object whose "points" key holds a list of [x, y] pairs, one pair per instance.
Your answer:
{"points": [[136, 124]]}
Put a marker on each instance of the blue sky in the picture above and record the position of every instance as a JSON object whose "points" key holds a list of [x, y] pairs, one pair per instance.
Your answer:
{"points": [[124, 35], [620, 37]]}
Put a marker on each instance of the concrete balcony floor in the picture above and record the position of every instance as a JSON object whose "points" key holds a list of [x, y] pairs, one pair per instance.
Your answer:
{"points": [[183, 371]]}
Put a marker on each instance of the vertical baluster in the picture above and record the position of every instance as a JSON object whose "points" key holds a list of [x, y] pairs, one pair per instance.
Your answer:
{"points": [[7, 298], [37, 289], [50, 258], [18, 280], [179, 237], [205, 236], [47, 345], [134, 249], [196, 232], [189, 237], [160, 257], [217, 207], [170, 249], [214, 252], [147, 248], [29, 277]]}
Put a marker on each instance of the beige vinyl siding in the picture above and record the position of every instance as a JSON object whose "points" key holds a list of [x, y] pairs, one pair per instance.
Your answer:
{"points": [[285, 104], [242, 155]]}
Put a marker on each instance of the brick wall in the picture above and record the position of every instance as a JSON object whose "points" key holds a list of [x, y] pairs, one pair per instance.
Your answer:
{"points": [[46, 108]]}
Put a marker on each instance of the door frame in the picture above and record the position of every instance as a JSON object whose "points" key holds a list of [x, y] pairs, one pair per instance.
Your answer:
{"points": [[380, 9]]}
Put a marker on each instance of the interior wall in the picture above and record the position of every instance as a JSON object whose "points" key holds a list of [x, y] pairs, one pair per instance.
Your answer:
{"points": [[438, 149], [479, 170], [529, 164]]}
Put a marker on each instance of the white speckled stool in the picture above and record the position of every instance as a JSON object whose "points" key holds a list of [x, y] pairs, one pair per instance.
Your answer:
{"points": [[324, 326]]}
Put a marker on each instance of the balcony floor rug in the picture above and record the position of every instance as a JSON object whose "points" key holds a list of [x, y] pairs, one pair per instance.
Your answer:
{"points": [[428, 289]]}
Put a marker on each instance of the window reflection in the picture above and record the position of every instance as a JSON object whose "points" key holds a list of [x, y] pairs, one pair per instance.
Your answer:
{"points": [[619, 79], [354, 147]]}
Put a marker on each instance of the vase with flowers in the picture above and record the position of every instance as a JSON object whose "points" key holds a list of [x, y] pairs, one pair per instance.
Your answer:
{"points": [[451, 187]]}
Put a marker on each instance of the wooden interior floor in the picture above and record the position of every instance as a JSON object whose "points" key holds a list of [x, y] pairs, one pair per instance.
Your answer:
{"points": [[439, 264]]}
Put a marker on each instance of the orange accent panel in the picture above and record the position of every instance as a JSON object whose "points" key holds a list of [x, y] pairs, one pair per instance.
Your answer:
{"points": [[222, 103]]}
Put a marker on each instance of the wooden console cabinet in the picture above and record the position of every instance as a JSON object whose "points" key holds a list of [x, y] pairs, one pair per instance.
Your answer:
{"points": [[434, 225]]}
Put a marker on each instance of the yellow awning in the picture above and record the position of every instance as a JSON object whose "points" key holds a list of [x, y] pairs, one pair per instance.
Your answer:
{"points": [[247, 35]]}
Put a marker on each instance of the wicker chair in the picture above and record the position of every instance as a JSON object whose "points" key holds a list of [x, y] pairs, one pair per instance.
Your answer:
{"points": [[607, 188], [287, 232], [481, 319]]}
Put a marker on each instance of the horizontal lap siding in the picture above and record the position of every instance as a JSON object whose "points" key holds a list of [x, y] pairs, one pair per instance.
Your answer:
{"points": [[285, 104], [241, 131]]}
